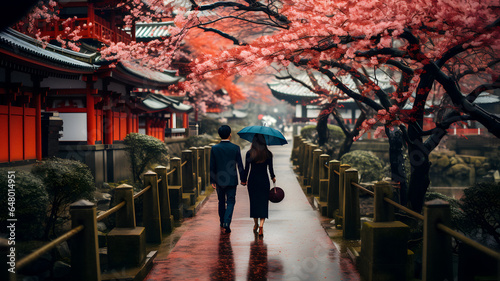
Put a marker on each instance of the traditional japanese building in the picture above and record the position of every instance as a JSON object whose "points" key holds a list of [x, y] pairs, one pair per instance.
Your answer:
{"points": [[308, 103], [97, 104]]}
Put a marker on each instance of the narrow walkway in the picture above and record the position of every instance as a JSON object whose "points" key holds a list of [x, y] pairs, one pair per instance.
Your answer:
{"points": [[294, 247]]}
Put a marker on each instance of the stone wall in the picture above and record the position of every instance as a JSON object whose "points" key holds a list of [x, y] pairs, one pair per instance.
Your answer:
{"points": [[175, 146]]}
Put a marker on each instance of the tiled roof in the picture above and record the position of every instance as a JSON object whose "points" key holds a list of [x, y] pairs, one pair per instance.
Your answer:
{"points": [[148, 76], [26, 46], [159, 102], [295, 92], [152, 30]]}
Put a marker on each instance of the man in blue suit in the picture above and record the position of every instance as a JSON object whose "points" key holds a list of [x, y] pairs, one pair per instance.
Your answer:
{"points": [[225, 157]]}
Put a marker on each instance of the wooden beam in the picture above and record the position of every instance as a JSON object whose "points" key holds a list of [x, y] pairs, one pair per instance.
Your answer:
{"points": [[70, 92]]}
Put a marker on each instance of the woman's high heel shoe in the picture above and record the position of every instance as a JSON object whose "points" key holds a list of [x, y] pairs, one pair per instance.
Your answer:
{"points": [[261, 231], [255, 228]]}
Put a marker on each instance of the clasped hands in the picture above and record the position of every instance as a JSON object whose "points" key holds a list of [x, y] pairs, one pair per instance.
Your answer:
{"points": [[245, 183]]}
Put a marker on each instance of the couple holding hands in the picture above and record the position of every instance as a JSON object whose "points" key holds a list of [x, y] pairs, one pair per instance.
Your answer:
{"points": [[225, 159]]}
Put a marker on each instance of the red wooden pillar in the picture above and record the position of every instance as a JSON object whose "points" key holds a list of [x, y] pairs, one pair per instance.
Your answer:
{"points": [[136, 123], [129, 122], [108, 122], [91, 120], [38, 125], [162, 130], [171, 121], [185, 120], [148, 126]]}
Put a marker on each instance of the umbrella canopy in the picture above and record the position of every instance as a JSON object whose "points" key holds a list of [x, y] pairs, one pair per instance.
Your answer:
{"points": [[272, 136]]}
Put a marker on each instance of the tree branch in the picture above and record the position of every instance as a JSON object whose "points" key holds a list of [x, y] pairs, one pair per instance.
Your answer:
{"points": [[384, 51], [400, 66], [223, 34], [481, 88], [490, 121], [254, 7], [384, 100], [350, 92]]}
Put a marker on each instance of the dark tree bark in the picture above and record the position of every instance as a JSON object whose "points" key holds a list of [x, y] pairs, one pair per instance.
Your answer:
{"points": [[397, 162], [322, 129]]}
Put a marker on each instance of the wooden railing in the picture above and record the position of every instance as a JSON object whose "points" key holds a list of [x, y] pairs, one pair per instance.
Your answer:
{"points": [[92, 27], [164, 200], [336, 188]]}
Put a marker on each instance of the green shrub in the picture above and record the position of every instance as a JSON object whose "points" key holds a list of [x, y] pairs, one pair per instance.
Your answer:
{"points": [[31, 204], [369, 166], [144, 151], [66, 181], [335, 138], [481, 212], [335, 134]]}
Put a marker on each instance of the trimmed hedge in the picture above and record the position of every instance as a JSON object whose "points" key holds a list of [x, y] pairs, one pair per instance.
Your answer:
{"points": [[144, 151], [66, 181], [31, 204], [369, 166]]}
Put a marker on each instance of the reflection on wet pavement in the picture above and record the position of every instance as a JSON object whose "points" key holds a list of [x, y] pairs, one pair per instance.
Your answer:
{"points": [[224, 268], [294, 247]]}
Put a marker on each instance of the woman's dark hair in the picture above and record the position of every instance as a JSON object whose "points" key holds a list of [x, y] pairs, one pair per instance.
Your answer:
{"points": [[259, 151]]}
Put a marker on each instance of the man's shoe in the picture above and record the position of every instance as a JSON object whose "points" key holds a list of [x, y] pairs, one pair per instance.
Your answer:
{"points": [[227, 229]]}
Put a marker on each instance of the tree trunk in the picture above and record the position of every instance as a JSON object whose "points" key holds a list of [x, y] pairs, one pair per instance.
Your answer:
{"points": [[322, 129], [420, 167], [346, 145], [396, 157]]}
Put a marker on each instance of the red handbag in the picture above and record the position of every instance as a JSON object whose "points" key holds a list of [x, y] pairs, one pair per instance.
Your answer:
{"points": [[276, 194]]}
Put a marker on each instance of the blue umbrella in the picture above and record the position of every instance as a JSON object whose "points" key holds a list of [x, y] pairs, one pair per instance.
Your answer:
{"points": [[272, 136]]}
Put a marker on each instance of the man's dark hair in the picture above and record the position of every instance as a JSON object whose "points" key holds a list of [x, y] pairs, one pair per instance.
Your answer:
{"points": [[224, 131]]}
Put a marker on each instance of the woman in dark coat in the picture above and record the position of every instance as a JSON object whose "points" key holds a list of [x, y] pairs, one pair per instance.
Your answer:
{"points": [[258, 160]]}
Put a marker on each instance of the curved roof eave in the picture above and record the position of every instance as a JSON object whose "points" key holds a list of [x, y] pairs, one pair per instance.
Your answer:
{"points": [[53, 57], [144, 77]]}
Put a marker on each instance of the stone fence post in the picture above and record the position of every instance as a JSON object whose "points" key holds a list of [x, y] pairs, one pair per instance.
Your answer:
{"points": [[125, 216], [315, 171], [302, 158], [151, 209], [175, 178], [167, 220], [187, 172], [437, 251], [196, 170], [333, 187], [202, 169], [323, 178], [297, 142], [339, 220], [352, 218], [384, 248], [85, 265], [383, 211], [306, 163]]}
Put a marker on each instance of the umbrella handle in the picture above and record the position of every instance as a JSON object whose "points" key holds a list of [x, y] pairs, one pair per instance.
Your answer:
{"points": [[274, 184]]}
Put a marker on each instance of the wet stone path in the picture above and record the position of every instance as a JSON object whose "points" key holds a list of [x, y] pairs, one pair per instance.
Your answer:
{"points": [[294, 247]]}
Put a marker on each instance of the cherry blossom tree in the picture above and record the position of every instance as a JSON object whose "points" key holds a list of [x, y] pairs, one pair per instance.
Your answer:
{"points": [[419, 40], [423, 43]]}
